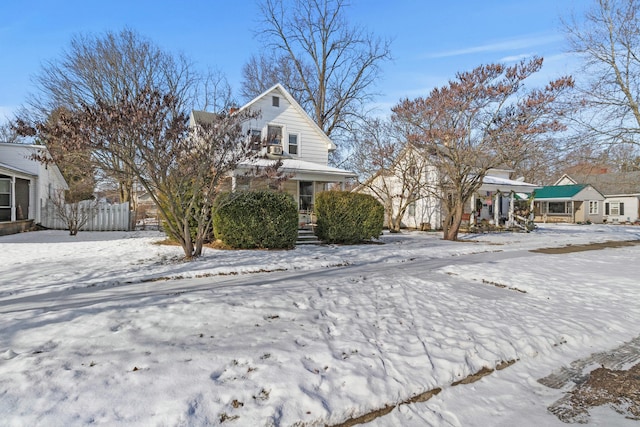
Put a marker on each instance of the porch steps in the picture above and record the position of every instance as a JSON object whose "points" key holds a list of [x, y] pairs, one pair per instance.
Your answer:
{"points": [[307, 237]]}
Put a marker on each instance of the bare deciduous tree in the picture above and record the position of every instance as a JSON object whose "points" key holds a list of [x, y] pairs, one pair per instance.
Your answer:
{"points": [[477, 122], [115, 66], [608, 40], [73, 212], [8, 133], [394, 171], [181, 167], [267, 69], [329, 65]]}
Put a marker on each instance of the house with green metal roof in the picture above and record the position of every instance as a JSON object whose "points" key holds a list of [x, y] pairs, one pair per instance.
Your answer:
{"points": [[576, 203]]}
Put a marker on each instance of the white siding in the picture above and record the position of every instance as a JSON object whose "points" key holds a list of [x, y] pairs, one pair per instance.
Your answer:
{"points": [[312, 147], [18, 156], [631, 209], [565, 180], [500, 173]]}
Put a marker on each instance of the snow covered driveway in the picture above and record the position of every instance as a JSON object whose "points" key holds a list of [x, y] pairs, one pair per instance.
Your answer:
{"points": [[90, 336]]}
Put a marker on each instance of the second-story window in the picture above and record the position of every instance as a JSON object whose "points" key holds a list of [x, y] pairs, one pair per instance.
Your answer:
{"points": [[293, 144], [275, 101], [274, 135], [256, 139]]}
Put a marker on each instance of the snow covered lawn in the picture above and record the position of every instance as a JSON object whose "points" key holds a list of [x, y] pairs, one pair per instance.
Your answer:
{"points": [[112, 329]]}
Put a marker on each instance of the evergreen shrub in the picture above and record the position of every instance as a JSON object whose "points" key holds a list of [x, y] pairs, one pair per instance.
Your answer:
{"points": [[256, 220], [344, 217]]}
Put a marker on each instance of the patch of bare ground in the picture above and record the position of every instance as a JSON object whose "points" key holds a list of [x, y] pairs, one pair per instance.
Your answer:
{"points": [[422, 397], [613, 384], [618, 389], [500, 285], [370, 416], [587, 247]]}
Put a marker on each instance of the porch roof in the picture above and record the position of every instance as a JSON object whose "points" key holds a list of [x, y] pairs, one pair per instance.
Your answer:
{"points": [[8, 169], [495, 183], [296, 166], [559, 192]]}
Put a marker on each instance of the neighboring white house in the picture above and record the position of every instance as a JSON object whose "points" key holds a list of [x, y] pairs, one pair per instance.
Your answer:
{"points": [[25, 186], [621, 192], [284, 131], [494, 202]]}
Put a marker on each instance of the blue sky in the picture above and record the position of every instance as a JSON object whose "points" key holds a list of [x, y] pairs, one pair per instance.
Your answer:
{"points": [[431, 39]]}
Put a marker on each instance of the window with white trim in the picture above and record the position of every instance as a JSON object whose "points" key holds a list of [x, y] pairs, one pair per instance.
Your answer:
{"points": [[293, 143], [5, 199], [593, 207], [274, 135], [616, 208], [5, 192], [256, 139]]}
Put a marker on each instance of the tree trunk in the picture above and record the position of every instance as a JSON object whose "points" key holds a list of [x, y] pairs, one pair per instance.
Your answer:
{"points": [[451, 227], [391, 219], [187, 243], [198, 246]]}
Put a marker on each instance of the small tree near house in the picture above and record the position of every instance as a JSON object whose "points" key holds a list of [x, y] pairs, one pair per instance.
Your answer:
{"points": [[74, 213]]}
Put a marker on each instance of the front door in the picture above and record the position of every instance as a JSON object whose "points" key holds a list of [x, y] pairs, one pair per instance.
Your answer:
{"points": [[306, 196]]}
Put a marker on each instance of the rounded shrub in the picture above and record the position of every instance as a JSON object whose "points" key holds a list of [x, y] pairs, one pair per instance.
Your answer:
{"points": [[344, 217], [256, 220]]}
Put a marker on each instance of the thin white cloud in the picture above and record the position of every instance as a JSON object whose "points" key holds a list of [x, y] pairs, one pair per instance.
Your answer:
{"points": [[501, 46], [515, 58]]}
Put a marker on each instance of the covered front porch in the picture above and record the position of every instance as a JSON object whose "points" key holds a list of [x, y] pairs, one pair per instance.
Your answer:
{"points": [[502, 202], [299, 178]]}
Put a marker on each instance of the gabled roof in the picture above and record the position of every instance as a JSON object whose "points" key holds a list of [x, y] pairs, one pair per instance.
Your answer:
{"points": [[611, 183], [33, 148], [203, 117], [279, 88], [559, 191]]}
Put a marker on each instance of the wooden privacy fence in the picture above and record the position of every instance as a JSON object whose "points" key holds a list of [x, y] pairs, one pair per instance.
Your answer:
{"points": [[102, 217]]}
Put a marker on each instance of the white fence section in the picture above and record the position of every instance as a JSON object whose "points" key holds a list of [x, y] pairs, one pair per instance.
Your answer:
{"points": [[102, 217]]}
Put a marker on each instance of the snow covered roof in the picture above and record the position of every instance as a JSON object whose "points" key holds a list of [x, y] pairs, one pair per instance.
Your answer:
{"points": [[298, 166], [495, 183]]}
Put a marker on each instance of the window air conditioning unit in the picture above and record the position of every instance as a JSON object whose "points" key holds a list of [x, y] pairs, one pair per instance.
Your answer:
{"points": [[275, 149]]}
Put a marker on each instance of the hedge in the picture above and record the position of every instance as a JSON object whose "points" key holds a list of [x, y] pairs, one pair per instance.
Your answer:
{"points": [[344, 217], [256, 220]]}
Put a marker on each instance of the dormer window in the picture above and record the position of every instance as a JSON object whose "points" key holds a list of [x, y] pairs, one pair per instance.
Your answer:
{"points": [[275, 101]]}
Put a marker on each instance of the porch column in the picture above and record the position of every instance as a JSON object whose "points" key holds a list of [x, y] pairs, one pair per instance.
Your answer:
{"points": [[342, 185], [472, 218], [511, 206], [12, 201], [496, 209], [234, 183]]}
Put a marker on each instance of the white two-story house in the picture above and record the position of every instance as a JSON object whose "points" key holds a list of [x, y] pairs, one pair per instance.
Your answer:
{"points": [[285, 132], [413, 184]]}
